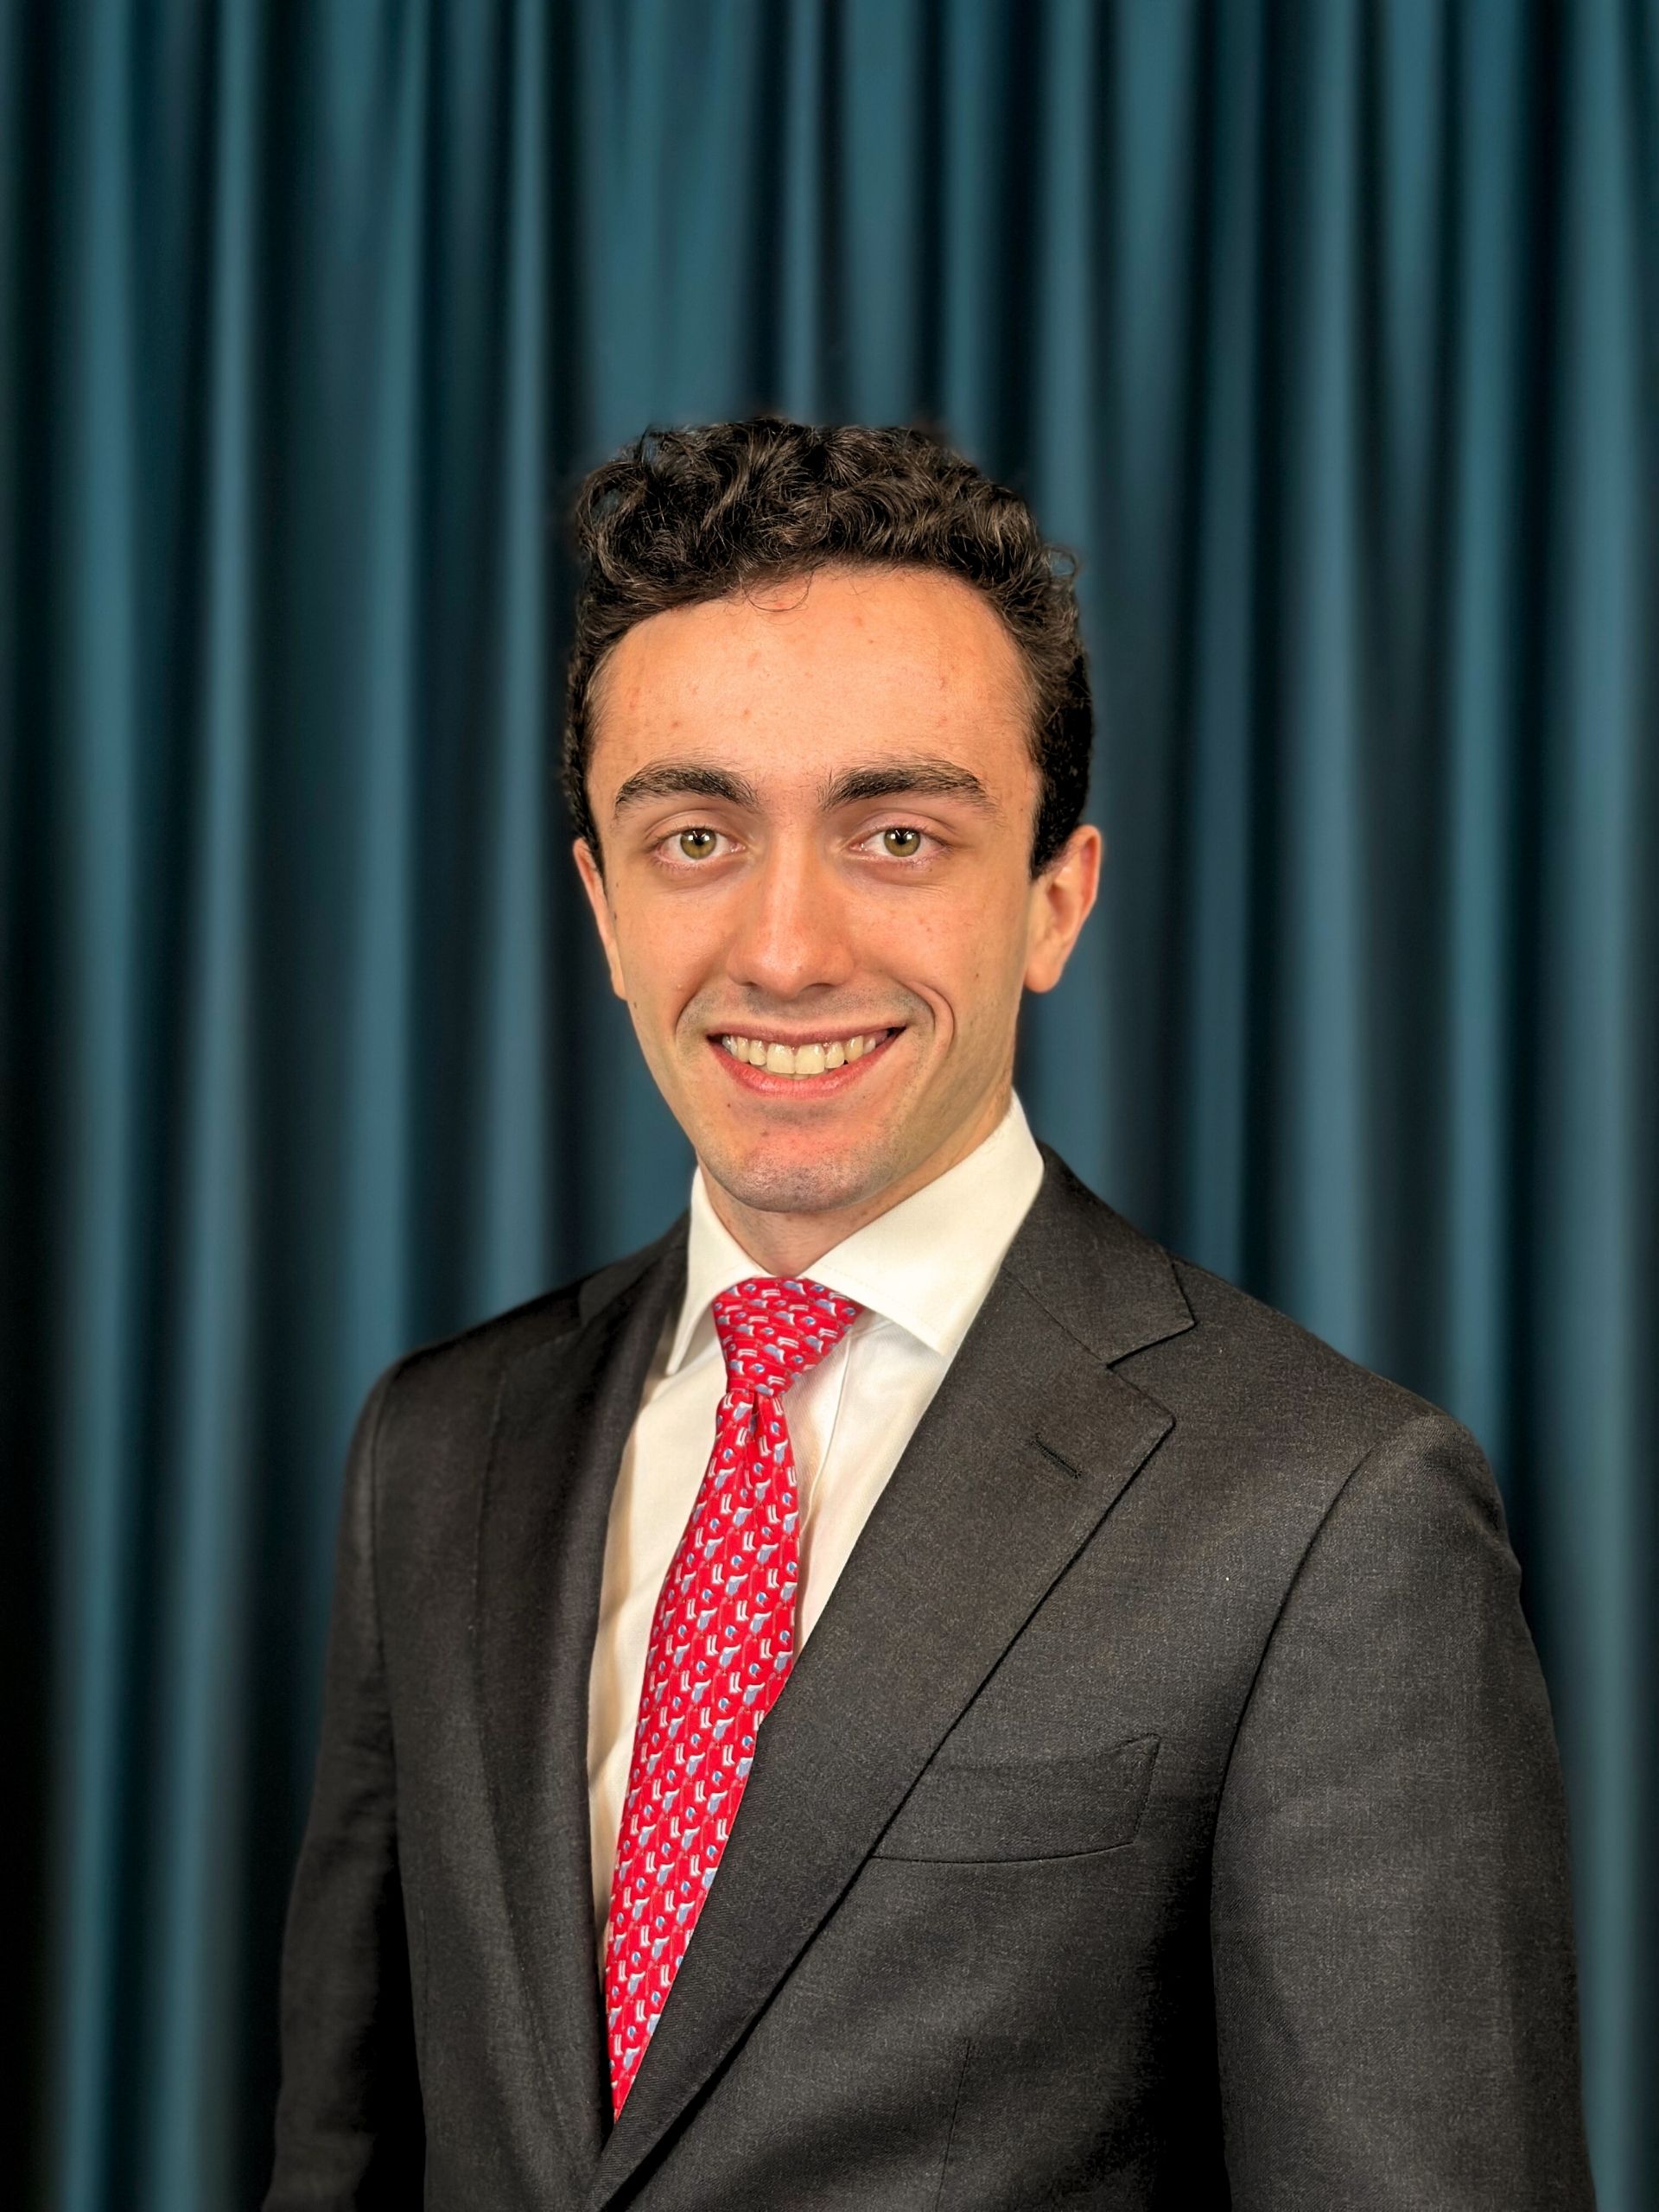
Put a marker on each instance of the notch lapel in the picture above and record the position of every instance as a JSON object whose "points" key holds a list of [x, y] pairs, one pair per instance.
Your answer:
{"points": [[1028, 1442], [562, 1416]]}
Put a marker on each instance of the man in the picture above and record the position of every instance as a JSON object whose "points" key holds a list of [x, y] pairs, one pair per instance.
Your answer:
{"points": [[903, 1693]]}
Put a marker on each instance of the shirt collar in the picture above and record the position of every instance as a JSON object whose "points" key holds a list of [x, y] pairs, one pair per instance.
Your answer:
{"points": [[926, 1263]]}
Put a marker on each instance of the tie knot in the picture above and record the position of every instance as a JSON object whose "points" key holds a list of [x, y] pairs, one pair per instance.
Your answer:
{"points": [[773, 1328]]}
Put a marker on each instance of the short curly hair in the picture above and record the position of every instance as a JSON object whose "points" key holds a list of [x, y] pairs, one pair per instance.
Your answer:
{"points": [[684, 516]]}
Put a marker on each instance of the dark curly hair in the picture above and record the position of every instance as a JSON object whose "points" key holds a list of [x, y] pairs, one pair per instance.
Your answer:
{"points": [[689, 515]]}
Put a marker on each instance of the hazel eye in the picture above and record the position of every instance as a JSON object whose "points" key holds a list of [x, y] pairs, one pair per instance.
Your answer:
{"points": [[696, 844], [901, 843]]}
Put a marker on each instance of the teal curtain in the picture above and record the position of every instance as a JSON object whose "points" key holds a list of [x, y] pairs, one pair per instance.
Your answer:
{"points": [[1327, 330]]}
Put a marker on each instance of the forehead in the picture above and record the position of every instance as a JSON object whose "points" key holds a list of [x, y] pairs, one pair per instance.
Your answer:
{"points": [[846, 658]]}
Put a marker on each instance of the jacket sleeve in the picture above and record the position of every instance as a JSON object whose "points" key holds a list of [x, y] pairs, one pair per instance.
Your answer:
{"points": [[1391, 1931], [349, 2130]]}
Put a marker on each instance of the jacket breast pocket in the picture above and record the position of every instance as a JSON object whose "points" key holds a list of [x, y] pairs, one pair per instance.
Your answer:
{"points": [[1023, 1809]]}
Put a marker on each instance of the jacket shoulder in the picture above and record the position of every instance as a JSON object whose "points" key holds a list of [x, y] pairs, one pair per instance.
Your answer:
{"points": [[459, 1365], [1273, 1424], [1223, 1362], [1264, 1403]]}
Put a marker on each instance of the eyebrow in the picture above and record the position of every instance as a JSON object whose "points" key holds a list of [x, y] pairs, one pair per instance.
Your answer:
{"points": [[924, 778], [683, 779]]}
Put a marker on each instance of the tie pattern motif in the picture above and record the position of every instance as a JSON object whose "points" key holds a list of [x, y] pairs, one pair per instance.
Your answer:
{"points": [[722, 1640]]}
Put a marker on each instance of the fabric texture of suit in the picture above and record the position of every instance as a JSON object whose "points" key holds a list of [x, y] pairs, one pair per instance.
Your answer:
{"points": [[1165, 1812]]}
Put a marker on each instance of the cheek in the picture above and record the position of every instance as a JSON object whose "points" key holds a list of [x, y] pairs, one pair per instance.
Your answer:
{"points": [[666, 948], [967, 948]]}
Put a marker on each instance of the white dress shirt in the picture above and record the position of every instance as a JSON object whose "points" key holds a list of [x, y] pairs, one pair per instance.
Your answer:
{"points": [[920, 1271]]}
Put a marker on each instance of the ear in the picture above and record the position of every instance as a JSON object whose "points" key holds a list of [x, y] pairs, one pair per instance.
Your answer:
{"points": [[593, 884], [1061, 898]]}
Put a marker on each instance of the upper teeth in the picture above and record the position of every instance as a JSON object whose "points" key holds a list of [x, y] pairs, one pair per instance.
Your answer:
{"points": [[801, 1059]]}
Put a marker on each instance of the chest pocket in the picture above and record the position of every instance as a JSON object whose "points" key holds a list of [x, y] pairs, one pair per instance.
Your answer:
{"points": [[1023, 1809]]}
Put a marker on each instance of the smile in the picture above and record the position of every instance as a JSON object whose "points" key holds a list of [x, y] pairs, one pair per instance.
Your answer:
{"points": [[766, 1058]]}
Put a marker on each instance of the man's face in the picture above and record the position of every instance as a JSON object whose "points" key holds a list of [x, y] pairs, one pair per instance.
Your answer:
{"points": [[815, 809]]}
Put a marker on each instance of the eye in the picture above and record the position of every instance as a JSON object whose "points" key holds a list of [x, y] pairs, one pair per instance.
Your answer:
{"points": [[696, 842], [902, 842]]}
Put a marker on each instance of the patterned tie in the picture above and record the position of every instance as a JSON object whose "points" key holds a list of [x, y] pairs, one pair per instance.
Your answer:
{"points": [[722, 1641]]}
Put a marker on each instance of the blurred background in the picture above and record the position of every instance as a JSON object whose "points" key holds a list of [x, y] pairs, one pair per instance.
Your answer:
{"points": [[1327, 332]]}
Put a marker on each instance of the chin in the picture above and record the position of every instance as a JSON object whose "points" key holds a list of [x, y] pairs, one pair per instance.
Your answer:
{"points": [[793, 1183]]}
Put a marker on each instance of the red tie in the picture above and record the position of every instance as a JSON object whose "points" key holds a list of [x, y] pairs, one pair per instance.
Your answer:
{"points": [[722, 1641]]}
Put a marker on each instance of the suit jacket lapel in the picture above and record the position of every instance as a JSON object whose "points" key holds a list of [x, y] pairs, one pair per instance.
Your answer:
{"points": [[563, 1417], [1028, 1442]]}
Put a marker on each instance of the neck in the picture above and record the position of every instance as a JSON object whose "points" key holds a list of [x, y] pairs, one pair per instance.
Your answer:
{"points": [[791, 1244]]}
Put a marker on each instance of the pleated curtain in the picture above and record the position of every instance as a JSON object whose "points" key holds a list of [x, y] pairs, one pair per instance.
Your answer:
{"points": [[1325, 331]]}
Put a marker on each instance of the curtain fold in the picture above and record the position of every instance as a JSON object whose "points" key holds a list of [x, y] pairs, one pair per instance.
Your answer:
{"points": [[1327, 332]]}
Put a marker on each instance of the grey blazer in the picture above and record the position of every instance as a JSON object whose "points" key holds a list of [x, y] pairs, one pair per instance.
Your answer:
{"points": [[1164, 1811]]}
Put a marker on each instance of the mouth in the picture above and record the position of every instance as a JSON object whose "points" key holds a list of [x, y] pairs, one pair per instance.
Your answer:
{"points": [[815, 1067]]}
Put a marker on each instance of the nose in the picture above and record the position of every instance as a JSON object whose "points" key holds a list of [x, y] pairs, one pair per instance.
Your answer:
{"points": [[791, 933]]}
